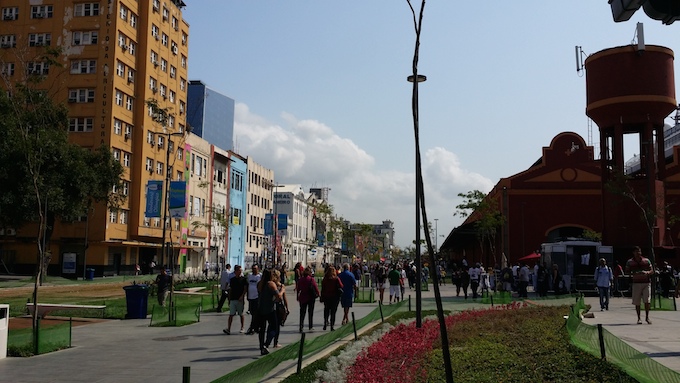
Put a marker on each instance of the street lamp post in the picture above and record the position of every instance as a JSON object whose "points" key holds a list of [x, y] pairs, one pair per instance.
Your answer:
{"points": [[436, 248]]}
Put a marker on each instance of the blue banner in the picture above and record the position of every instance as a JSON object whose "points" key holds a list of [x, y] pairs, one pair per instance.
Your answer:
{"points": [[177, 199], [269, 224], [282, 222], [154, 195]]}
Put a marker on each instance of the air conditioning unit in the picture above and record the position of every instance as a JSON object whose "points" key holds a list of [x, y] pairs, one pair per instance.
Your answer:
{"points": [[8, 17], [176, 28], [38, 44], [127, 136], [165, 18], [174, 49], [155, 63], [150, 171], [152, 144], [125, 47], [155, 9], [165, 97], [10, 232], [6, 45], [39, 16], [76, 42], [72, 100], [154, 90], [160, 145], [130, 80], [156, 37]]}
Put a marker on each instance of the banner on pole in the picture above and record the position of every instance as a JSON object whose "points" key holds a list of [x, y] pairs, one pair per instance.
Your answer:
{"points": [[177, 199], [269, 224], [154, 192]]}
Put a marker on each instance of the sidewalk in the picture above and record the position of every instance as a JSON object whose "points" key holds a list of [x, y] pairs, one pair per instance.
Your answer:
{"points": [[130, 351]]}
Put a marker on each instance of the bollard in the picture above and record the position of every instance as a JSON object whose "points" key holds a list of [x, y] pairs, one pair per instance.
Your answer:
{"points": [[409, 302], [382, 319], [186, 374], [300, 351], [354, 325], [491, 298], [601, 336]]}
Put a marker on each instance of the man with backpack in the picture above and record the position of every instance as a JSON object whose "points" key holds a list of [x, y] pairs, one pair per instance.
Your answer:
{"points": [[507, 279], [603, 281]]}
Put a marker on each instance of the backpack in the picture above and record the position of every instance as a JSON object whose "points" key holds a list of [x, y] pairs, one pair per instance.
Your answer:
{"points": [[507, 275]]}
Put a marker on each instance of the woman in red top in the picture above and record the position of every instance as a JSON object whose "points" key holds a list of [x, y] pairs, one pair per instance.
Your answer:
{"points": [[331, 290], [307, 291]]}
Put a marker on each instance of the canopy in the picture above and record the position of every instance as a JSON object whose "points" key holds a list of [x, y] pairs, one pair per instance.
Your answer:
{"points": [[531, 256]]}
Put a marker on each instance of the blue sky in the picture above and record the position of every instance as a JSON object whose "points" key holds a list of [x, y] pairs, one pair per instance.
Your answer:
{"points": [[322, 97]]}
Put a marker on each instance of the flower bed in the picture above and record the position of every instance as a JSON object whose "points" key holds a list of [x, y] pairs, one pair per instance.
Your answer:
{"points": [[511, 343]]}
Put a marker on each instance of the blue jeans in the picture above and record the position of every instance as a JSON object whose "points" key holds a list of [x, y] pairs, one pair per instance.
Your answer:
{"points": [[604, 297]]}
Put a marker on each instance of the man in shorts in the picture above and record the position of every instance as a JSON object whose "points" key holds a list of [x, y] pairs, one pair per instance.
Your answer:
{"points": [[237, 295], [380, 278], [640, 268], [394, 276]]}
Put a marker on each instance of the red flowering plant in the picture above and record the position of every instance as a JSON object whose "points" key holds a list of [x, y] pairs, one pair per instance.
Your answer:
{"points": [[398, 356]]}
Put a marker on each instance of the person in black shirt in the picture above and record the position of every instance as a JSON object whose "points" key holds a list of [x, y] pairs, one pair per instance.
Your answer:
{"points": [[237, 295], [163, 281]]}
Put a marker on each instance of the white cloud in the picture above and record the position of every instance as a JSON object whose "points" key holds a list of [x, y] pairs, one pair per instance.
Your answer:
{"points": [[310, 153]]}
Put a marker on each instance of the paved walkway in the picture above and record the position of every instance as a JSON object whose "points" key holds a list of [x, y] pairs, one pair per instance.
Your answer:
{"points": [[131, 351]]}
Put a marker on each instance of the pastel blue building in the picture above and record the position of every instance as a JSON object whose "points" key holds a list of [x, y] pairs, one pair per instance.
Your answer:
{"points": [[238, 184], [211, 115]]}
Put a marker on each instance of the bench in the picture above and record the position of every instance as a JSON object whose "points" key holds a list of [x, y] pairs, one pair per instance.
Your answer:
{"points": [[193, 289], [183, 292], [45, 308]]}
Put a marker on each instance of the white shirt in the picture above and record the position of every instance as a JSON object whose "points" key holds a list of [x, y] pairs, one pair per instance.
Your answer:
{"points": [[253, 279], [474, 272], [225, 278], [524, 274]]}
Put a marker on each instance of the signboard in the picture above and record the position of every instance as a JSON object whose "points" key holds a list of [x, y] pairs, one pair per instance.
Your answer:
{"points": [[154, 195], [69, 263], [269, 224], [177, 199]]}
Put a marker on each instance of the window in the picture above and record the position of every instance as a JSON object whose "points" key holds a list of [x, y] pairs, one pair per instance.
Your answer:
{"points": [[131, 75], [126, 187], [121, 40], [128, 102], [131, 48], [123, 12], [149, 164], [172, 96], [119, 98], [85, 38], [113, 216], [38, 68], [171, 121], [174, 23], [181, 128], [166, 14], [86, 9], [41, 11], [117, 126], [128, 130], [159, 168], [182, 84], [147, 221], [81, 95], [7, 69], [236, 180], [164, 40], [152, 84], [182, 107], [174, 47], [39, 39], [161, 141], [164, 65], [116, 154], [123, 217], [173, 71], [80, 124], [180, 176], [154, 31], [163, 91], [8, 41], [149, 137], [10, 13], [185, 38], [180, 153], [120, 69], [83, 66], [126, 159], [133, 20], [183, 61], [154, 58]]}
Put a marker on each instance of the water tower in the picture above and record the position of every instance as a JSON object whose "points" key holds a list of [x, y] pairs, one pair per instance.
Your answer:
{"points": [[630, 91]]}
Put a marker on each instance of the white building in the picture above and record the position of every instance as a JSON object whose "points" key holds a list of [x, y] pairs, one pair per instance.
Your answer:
{"points": [[297, 242], [259, 203]]}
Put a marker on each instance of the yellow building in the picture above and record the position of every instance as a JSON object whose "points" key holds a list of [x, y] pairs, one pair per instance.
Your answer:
{"points": [[115, 56]]}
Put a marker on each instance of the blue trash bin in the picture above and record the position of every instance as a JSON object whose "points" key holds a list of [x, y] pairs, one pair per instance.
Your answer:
{"points": [[90, 274], [136, 298]]}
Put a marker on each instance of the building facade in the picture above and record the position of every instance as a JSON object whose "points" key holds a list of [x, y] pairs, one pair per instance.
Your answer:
{"points": [[211, 115], [238, 190], [115, 56], [259, 200]]}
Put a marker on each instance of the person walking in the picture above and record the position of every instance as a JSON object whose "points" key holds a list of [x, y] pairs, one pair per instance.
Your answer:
{"points": [[331, 291], [238, 285], [394, 276], [474, 272], [347, 279], [224, 286], [281, 306], [253, 300], [464, 281], [307, 292], [268, 294], [163, 283], [603, 281], [523, 283], [641, 272]]}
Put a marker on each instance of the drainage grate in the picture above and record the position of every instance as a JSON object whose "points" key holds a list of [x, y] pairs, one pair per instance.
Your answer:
{"points": [[171, 338]]}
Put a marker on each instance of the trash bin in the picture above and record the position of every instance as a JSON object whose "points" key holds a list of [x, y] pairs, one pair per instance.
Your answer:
{"points": [[90, 274], [136, 298], [4, 329]]}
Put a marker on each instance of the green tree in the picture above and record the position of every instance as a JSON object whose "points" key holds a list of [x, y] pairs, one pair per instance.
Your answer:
{"points": [[488, 218], [44, 176]]}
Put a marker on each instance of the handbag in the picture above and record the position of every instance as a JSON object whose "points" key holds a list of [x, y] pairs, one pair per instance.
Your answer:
{"points": [[312, 291], [281, 312], [340, 290]]}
